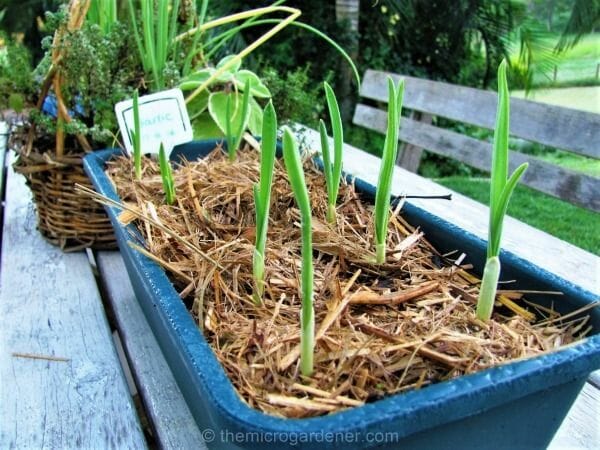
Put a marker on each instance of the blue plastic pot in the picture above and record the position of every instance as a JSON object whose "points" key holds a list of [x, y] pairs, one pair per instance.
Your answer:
{"points": [[514, 406]]}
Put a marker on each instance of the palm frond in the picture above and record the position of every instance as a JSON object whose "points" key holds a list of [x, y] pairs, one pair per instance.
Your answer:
{"points": [[585, 18]]}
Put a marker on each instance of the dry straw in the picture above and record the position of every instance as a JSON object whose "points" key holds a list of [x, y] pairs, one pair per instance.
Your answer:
{"points": [[379, 328]]}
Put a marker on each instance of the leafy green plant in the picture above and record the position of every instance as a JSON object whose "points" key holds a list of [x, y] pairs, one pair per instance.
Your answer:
{"points": [[16, 81], [234, 137], [208, 111], [167, 175], [262, 198], [295, 97], [501, 189], [333, 173], [136, 137], [293, 165], [156, 42], [95, 71], [199, 82], [388, 161], [250, 18]]}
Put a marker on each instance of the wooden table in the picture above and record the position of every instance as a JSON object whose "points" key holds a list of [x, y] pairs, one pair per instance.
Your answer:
{"points": [[63, 372]]}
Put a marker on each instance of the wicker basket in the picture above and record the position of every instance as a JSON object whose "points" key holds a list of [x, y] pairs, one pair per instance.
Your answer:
{"points": [[52, 163], [65, 217]]}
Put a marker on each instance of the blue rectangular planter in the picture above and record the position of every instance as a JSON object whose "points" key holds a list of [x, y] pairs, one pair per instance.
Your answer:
{"points": [[515, 406]]}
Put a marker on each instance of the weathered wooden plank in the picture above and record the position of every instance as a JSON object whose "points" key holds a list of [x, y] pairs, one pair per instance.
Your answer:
{"points": [[410, 155], [164, 403], [564, 128], [581, 427], [542, 249], [50, 306], [565, 184]]}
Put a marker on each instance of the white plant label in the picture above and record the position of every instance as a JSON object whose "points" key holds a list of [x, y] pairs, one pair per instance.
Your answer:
{"points": [[163, 119]]}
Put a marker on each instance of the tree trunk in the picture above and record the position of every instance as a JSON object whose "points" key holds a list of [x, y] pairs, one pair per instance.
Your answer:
{"points": [[347, 12]]}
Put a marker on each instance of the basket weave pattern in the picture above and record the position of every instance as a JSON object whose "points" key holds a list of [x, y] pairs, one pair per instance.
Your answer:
{"points": [[53, 165], [66, 218]]}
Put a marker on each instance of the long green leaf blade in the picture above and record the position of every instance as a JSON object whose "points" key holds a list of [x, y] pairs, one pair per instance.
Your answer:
{"points": [[268, 150], [384, 173], [338, 136], [262, 197], [388, 160], [231, 148], [502, 206], [166, 175], [137, 37], [499, 171], [295, 172], [162, 25], [137, 137], [172, 26], [326, 153], [244, 112], [149, 40]]}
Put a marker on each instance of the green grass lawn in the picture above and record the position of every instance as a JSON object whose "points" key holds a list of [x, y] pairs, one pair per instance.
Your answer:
{"points": [[585, 98], [572, 65], [570, 223]]}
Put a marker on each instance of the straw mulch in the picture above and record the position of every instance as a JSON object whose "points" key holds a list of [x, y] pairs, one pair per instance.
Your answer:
{"points": [[379, 329]]}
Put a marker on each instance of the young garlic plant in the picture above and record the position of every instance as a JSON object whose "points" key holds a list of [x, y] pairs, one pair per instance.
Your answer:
{"points": [[501, 189], [136, 137], [293, 165], [262, 198], [234, 137], [333, 173], [166, 175], [388, 161]]}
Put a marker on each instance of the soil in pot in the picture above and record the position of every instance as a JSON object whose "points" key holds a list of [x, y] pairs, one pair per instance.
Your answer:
{"points": [[380, 329]]}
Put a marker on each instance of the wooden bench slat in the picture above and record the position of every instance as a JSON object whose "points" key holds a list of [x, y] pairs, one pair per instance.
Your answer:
{"points": [[548, 252], [555, 126], [50, 306], [164, 403], [545, 177]]}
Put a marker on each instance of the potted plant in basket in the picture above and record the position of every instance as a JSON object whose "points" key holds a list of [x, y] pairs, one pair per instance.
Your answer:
{"points": [[85, 68], [90, 64], [367, 336]]}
